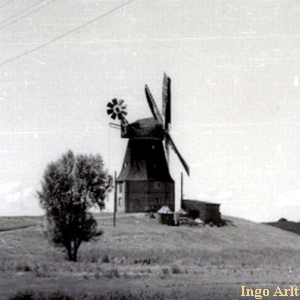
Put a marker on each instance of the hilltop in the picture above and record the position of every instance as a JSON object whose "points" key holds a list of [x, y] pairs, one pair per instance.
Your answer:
{"points": [[286, 225], [141, 253]]}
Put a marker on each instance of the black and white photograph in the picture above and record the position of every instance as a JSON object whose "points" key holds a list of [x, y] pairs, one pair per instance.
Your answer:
{"points": [[149, 149]]}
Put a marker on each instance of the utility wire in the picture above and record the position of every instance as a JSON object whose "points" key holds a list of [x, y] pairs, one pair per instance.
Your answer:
{"points": [[29, 13], [20, 12], [65, 34]]}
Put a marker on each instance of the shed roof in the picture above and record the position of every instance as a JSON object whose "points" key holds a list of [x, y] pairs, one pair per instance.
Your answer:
{"points": [[165, 210], [201, 202]]}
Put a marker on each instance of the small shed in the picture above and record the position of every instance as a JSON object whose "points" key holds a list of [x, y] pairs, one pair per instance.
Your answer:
{"points": [[208, 212], [165, 215]]}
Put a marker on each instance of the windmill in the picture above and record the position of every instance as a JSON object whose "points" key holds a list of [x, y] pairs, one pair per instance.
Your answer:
{"points": [[144, 183]]}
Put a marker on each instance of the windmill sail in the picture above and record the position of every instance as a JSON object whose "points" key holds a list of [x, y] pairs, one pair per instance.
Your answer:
{"points": [[171, 142], [165, 118], [166, 109], [166, 101], [153, 107]]}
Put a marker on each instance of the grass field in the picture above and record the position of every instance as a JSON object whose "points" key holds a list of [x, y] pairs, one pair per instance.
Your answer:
{"points": [[141, 259]]}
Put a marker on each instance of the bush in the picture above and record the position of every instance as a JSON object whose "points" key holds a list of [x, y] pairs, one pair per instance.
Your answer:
{"points": [[282, 220]]}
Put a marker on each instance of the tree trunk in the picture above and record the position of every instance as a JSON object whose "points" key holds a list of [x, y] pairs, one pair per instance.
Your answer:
{"points": [[72, 251]]}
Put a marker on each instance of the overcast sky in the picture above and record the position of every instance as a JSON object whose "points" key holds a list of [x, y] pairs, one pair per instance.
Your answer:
{"points": [[235, 70]]}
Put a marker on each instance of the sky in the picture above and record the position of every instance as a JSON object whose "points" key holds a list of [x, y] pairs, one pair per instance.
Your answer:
{"points": [[235, 71]]}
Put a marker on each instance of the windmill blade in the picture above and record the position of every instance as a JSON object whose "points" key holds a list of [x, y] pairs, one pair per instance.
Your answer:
{"points": [[153, 107], [167, 147], [166, 100], [110, 105], [172, 144], [121, 104]]}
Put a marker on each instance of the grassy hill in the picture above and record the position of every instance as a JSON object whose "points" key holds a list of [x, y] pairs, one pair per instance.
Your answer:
{"points": [[140, 256], [286, 225]]}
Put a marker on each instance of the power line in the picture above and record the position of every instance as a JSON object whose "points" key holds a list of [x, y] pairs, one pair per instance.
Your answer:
{"points": [[66, 34], [29, 13], [24, 10]]}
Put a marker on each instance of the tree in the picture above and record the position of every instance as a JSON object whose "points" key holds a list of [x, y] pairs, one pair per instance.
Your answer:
{"points": [[71, 186], [95, 178]]}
